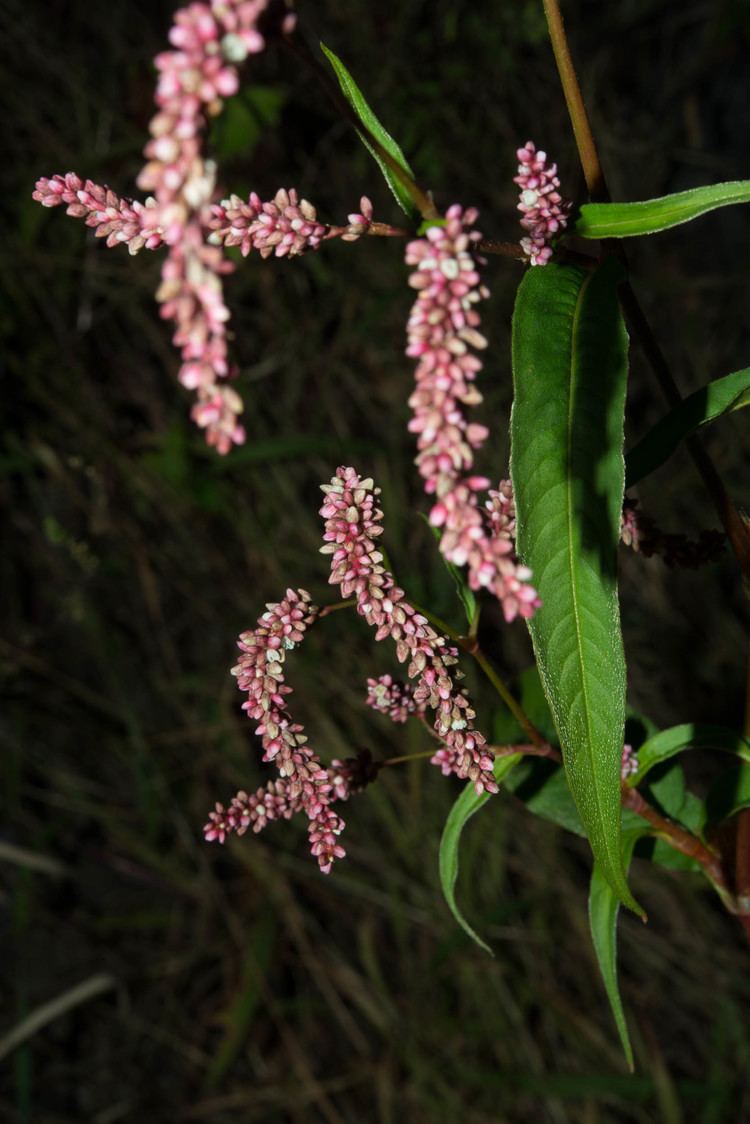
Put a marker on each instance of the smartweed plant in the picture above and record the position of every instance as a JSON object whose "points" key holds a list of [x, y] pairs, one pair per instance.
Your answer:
{"points": [[542, 540]]}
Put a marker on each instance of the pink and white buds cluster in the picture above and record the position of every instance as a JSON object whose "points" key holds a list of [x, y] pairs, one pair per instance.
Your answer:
{"points": [[392, 697], [276, 801], [118, 220], [629, 765], [638, 530], [443, 329], [208, 39], [285, 227], [352, 524], [545, 212], [260, 672]]}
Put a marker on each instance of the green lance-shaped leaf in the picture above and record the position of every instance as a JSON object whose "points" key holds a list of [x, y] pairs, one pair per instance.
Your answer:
{"points": [[604, 906], [570, 370], [704, 406], [690, 735], [624, 220], [467, 804], [373, 129]]}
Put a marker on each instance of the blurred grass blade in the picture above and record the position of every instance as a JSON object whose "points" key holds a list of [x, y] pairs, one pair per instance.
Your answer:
{"points": [[604, 907], [567, 467], [690, 735], [467, 804], [55, 1009], [624, 220], [245, 1001], [701, 408], [356, 99]]}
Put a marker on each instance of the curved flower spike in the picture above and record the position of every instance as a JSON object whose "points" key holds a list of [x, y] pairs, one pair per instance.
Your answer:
{"points": [[352, 524]]}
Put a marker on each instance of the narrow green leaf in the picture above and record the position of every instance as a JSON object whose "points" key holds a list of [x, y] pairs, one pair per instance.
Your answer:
{"points": [[604, 906], [246, 998], [624, 220], [701, 408], [690, 735], [467, 804], [356, 99], [570, 371]]}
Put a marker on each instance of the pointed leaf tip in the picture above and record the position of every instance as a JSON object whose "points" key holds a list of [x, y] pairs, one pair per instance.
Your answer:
{"points": [[467, 804], [373, 129]]}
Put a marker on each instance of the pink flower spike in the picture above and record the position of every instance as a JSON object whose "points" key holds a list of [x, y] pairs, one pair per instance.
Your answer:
{"points": [[352, 525], [391, 697], [304, 784], [443, 328], [545, 212], [120, 221]]}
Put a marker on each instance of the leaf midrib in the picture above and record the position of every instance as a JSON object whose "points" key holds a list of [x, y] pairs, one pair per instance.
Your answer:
{"points": [[573, 583]]}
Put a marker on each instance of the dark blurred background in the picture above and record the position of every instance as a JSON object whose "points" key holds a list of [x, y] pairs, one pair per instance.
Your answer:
{"points": [[244, 985]]}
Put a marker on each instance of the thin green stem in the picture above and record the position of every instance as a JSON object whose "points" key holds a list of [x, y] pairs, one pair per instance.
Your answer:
{"points": [[506, 695], [587, 150], [437, 622], [735, 527], [408, 757], [469, 644]]}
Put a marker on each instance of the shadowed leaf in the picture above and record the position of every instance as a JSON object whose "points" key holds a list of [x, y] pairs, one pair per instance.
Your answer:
{"points": [[701, 408], [570, 371]]}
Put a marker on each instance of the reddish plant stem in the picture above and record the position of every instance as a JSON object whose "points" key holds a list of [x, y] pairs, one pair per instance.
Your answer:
{"points": [[737, 529], [681, 840], [334, 608], [504, 249], [527, 751]]}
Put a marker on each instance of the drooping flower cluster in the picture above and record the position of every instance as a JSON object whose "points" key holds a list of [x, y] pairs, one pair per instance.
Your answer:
{"points": [[638, 530], [120, 221], [283, 798], [443, 329], [392, 697], [285, 227], [545, 212], [208, 39], [352, 523], [260, 672]]}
